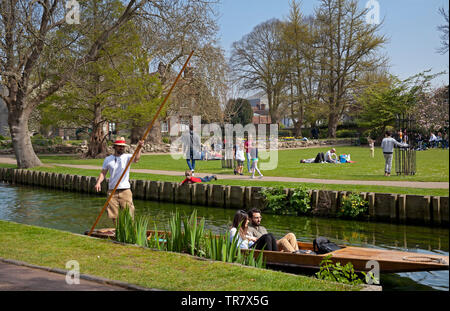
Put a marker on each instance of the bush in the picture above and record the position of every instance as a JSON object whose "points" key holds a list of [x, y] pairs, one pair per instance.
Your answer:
{"points": [[300, 200], [346, 133], [277, 201], [363, 140], [353, 206]]}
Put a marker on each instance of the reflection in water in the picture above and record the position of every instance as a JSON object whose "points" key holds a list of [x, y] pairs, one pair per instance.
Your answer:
{"points": [[76, 213]]}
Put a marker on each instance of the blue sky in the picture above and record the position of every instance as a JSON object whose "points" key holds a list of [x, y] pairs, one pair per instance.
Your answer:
{"points": [[410, 26]]}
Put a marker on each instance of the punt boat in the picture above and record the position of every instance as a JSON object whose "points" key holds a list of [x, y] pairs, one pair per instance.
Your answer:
{"points": [[362, 258]]}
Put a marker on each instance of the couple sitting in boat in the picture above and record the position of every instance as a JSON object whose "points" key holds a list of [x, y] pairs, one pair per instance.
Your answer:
{"points": [[252, 235]]}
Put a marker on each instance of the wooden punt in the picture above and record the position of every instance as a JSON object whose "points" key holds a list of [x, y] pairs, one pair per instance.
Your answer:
{"points": [[389, 261]]}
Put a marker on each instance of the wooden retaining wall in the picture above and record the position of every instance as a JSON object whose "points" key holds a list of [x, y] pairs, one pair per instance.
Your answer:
{"points": [[384, 207]]}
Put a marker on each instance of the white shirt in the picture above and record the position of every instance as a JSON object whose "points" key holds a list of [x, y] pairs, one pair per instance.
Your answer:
{"points": [[240, 154], [388, 144], [329, 156], [244, 244], [115, 166]]}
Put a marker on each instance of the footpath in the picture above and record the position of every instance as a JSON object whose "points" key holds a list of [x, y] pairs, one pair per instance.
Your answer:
{"points": [[20, 276], [408, 184]]}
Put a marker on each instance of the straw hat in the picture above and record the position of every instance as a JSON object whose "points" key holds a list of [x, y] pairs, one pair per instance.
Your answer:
{"points": [[120, 141]]}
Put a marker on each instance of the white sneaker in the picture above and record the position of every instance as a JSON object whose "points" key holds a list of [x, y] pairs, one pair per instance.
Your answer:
{"points": [[261, 176]]}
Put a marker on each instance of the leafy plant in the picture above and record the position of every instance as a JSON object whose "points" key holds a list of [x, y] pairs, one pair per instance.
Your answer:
{"points": [[353, 206], [276, 200], [300, 200], [337, 273]]}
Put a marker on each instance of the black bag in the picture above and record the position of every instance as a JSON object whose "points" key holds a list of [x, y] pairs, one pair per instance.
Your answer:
{"points": [[322, 245]]}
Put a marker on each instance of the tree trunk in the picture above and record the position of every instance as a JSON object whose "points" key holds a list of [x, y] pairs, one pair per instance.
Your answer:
{"points": [[97, 147], [23, 149], [297, 128], [332, 124], [154, 137]]}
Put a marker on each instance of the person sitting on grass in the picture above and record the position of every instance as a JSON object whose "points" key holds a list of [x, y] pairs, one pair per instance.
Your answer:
{"points": [[331, 156], [191, 180], [245, 241]]}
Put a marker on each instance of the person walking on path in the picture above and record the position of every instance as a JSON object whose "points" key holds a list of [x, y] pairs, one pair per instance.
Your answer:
{"points": [[115, 165], [191, 180], [240, 158], [288, 243], [247, 153], [387, 145], [254, 157], [191, 148]]}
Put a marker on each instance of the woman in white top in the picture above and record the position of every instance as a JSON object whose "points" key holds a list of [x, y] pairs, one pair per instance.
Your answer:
{"points": [[241, 221], [245, 241], [240, 158]]}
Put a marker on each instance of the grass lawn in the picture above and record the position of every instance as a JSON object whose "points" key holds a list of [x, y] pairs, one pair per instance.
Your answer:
{"points": [[145, 267], [432, 165], [257, 182]]}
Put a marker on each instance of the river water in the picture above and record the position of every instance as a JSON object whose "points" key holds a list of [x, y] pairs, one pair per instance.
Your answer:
{"points": [[77, 212]]}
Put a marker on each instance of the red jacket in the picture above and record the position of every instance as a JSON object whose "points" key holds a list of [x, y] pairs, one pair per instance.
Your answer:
{"points": [[192, 180]]}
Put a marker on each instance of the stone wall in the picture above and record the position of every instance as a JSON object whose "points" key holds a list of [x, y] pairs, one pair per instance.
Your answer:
{"points": [[386, 207]]}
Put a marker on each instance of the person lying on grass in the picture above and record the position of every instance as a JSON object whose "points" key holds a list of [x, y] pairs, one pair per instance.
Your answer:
{"points": [[190, 179]]}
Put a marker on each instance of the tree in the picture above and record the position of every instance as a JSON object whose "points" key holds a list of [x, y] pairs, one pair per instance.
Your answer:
{"points": [[432, 113], [258, 59], [117, 87], [305, 81], [34, 39], [185, 26], [444, 32], [381, 104], [349, 48], [239, 111]]}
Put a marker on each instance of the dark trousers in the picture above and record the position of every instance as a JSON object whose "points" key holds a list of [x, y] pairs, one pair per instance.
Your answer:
{"points": [[207, 178], [320, 157], [267, 241]]}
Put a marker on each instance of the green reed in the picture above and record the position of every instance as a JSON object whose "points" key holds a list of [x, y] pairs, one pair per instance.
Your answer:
{"points": [[185, 235], [131, 230]]}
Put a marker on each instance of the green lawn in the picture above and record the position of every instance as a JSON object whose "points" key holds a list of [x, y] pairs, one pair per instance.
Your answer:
{"points": [[256, 182], [432, 165], [145, 267]]}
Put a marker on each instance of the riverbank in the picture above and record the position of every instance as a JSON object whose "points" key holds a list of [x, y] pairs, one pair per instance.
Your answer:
{"points": [[145, 267], [383, 207]]}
